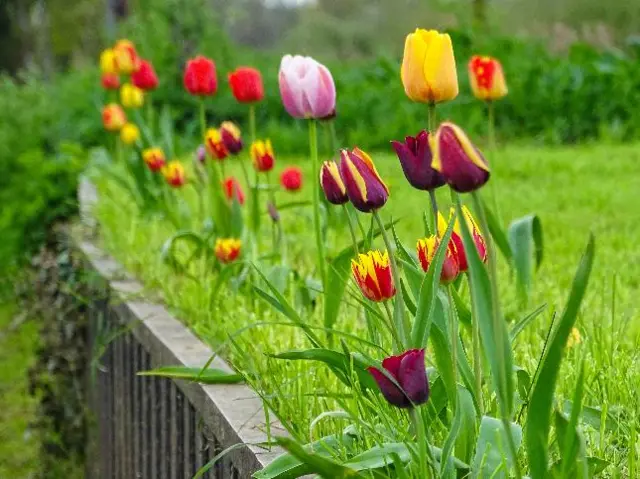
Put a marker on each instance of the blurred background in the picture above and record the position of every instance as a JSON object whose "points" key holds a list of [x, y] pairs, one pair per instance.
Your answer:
{"points": [[573, 68]]}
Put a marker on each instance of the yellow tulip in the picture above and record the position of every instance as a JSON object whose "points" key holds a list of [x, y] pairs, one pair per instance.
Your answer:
{"points": [[129, 134], [131, 96], [428, 67], [108, 63]]}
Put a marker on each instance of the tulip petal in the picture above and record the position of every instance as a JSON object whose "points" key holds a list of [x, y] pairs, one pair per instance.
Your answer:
{"points": [[412, 376], [412, 70], [389, 390], [440, 67], [326, 100]]}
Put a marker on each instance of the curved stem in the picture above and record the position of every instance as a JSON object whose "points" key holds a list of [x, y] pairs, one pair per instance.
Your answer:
{"points": [[313, 149], [399, 321], [434, 208], [394, 335], [352, 230], [432, 118]]}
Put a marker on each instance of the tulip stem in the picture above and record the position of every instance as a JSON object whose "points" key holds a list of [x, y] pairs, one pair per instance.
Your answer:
{"points": [[203, 120], [356, 250], [424, 448], [431, 118], [493, 280], [313, 148], [252, 122], [492, 126], [434, 208], [399, 321], [397, 345], [272, 199]]}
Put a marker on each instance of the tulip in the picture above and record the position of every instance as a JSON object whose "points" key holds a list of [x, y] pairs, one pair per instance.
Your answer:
{"points": [[126, 57], [174, 173], [262, 155], [232, 189], [274, 214], [306, 88], [110, 81], [154, 158], [201, 154], [145, 76], [411, 386], [332, 184], [108, 64], [458, 160], [231, 137], [487, 78], [200, 76], [428, 70], [131, 96], [291, 178], [246, 85], [427, 248], [372, 273], [415, 157], [456, 237], [574, 338], [365, 188], [227, 249], [129, 134], [113, 117], [214, 144]]}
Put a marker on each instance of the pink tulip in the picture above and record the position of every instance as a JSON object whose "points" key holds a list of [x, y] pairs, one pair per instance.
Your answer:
{"points": [[306, 88]]}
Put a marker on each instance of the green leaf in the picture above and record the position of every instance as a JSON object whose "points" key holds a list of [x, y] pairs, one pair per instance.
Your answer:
{"points": [[380, 456], [493, 330], [523, 380], [428, 293], [539, 413], [317, 463], [573, 460], [492, 458], [288, 466], [208, 376], [498, 234], [461, 432], [237, 222], [596, 465], [593, 417], [464, 313], [168, 251], [524, 322], [341, 363], [525, 239]]}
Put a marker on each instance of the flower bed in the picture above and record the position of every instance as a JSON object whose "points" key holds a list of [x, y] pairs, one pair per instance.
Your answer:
{"points": [[344, 365]]}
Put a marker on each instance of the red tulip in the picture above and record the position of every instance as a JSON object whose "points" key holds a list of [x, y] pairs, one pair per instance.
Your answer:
{"points": [[200, 76], [110, 81], [233, 189], [246, 84], [291, 178], [145, 76]]}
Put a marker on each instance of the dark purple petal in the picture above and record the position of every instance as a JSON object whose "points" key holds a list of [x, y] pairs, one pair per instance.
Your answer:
{"points": [[412, 376], [415, 159], [390, 391], [376, 194], [457, 168]]}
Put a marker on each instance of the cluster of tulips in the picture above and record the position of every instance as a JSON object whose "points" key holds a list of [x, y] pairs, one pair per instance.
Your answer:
{"points": [[456, 248]]}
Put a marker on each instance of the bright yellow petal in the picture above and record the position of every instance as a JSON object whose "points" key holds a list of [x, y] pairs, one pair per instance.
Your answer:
{"points": [[412, 70], [440, 68]]}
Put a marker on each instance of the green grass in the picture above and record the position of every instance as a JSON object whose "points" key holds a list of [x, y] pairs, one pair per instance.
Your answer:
{"points": [[19, 446], [575, 191]]}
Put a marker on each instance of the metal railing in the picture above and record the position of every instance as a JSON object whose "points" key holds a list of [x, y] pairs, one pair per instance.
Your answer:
{"points": [[151, 427]]}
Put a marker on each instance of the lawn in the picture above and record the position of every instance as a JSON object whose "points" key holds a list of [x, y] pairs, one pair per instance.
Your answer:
{"points": [[574, 190]]}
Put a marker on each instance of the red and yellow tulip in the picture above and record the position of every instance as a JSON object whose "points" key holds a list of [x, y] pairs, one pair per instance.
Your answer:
{"points": [[174, 173], [154, 158], [426, 249], [428, 70], [456, 237], [262, 155], [214, 144], [131, 96], [113, 117], [372, 273], [227, 249], [231, 137], [126, 57], [487, 78], [365, 188]]}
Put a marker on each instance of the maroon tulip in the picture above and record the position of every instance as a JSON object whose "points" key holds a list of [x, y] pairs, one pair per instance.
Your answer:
{"points": [[145, 76], [409, 372], [415, 157]]}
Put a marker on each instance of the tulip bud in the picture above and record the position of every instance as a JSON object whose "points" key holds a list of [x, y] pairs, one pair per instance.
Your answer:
{"points": [[131, 96], [372, 273], [231, 137], [246, 85], [232, 189], [428, 70], [129, 134], [108, 65], [487, 78], [145, 76], [201, 154], [306, 88], [415, 157], [214, 144], [154, 158], [411, 387], [427, 248], [113, 117], [126, 57], [365, 188], [291, 178], [110, 81], [262, 155], [174, 173], [200, 76], [456, 237], [227, 250], [332, 184], [458, 160], [273, 212]]}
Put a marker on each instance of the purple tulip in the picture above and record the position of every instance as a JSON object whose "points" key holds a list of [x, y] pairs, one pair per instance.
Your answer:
{"points": [[415, 157], [458, 160], [365, 188], [306, 88], [409, 372], [201, 154], [332, 184]]}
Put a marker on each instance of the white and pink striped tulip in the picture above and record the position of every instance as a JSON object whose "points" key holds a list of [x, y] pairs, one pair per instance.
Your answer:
{"points": [[307, 88]]}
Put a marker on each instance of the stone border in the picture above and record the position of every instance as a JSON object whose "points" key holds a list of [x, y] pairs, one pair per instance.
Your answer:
{"points": [[233, 413]]}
